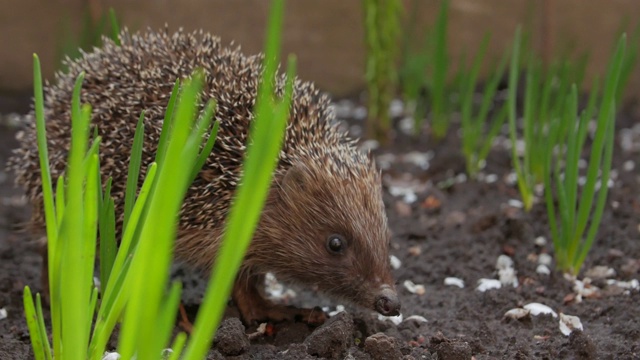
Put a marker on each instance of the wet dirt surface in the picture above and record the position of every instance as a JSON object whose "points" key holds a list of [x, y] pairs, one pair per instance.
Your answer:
{"points": [[452, 228]]}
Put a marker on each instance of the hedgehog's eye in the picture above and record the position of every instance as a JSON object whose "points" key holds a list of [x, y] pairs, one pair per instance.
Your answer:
{"points": [[336, 244]]}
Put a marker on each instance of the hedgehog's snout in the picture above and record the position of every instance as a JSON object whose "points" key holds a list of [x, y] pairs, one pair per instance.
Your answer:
{"points": [[386, 302]]}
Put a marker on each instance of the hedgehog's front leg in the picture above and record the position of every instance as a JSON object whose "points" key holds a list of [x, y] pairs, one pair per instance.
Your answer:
{"points": [[254, 308]]}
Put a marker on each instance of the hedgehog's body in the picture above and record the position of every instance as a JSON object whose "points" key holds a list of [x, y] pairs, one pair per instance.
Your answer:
{"points": [[324, 222]]}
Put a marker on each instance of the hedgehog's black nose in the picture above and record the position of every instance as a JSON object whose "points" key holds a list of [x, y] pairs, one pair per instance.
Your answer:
{"points": [[387, 302]]}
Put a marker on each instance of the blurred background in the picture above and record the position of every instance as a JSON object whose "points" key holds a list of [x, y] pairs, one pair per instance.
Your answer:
{"points": [[327, 36]]}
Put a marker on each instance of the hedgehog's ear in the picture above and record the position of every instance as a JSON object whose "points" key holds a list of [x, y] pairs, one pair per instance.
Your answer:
{"points": [[295, 178]]}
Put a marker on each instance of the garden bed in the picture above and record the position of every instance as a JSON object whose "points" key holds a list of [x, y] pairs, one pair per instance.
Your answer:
{"points": [[454, 227]]}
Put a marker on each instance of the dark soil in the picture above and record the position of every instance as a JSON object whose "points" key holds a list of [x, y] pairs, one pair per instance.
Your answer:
{"points": [[457, 230]]}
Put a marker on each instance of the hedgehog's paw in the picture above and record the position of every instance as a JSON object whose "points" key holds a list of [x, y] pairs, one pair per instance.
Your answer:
{"points": [[254, 309], [313, 316]]}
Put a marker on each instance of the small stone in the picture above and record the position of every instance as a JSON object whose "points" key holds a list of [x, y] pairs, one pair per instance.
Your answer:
{"points": [[491, 178], [543, 269], [452, 349], [537, 309], [332, 339], [414, 288], [3, 313], [488, 284], [545, 259], [455, 218], [600, 272], [629, 165], [110, 356], [395, 262], [540, 241], [454, 281], [415, 250], [403, 209], [516, 314], [230, 338], [515, 203], [569, 323], [380, 347]]}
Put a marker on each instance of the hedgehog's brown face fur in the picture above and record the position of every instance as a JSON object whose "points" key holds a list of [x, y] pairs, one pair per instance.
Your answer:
{"points": [[326, 227]]}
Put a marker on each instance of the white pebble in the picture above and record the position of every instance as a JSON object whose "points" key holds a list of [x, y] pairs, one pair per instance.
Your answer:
{"points": [[396, 320], [504, 262], [396, 108], [568, 323], [414, 288], [629, 165], [491, 178], [369, 145], [360, 113], [515, 203], [420, 159], [338, 310], [536, 309], [543, 269], [409, 196], [3, 313], [512, 178], [540, 241], [633, 284], [417, 318], [461, 178], [582, 163], [516, 314], [545, 259], [111, 356], [488, 284], [583, 288], [454, 281], [395, 262], [508, 277], [600, 272], [406, 125]]}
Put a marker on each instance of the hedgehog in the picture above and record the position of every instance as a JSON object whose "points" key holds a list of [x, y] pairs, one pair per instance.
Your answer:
{"points": [[323, 225]]}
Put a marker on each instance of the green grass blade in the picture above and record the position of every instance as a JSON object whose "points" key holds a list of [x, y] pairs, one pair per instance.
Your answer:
{"points": [[36, 336], [469, 130], [530, 102], [43, 330], [167, 316], [512, 100], [602, 193], [439, 74], [107, 228], [613, 74], [90, 234], [178, 346], [115, 27], [206, 151], [572, 157], [133, 174], [74, 281], [494, 130], [167, 126], [127, 244]]}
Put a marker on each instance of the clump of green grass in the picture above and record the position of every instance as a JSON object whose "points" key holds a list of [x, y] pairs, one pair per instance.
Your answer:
{"points": [[477, 131], [90, 35], [381, 19], [544, 102], [427, 69], [135, 274], [575, 218]]}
